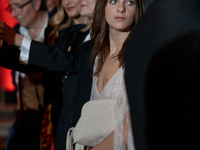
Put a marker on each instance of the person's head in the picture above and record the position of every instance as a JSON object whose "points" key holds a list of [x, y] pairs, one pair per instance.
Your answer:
{"points": [[72, 7], [68, 11], [87, 7], [51, 4], [26, 11], [116, 13], [120, 15]]}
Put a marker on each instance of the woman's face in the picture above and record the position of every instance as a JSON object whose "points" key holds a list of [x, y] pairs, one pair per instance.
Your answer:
{"points": [[72, 7], [87, 7], [119, 14], [51, 4]]}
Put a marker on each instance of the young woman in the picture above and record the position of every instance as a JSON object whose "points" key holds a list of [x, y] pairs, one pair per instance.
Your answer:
{"points": [[113, 22]]}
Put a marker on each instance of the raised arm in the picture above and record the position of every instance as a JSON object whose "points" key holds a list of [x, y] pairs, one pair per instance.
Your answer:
{"points": [[54, 58], [9, 58], [61, 57]]}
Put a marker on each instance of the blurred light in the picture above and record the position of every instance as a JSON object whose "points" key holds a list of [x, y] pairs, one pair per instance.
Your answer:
{"points": [[6, 81]]}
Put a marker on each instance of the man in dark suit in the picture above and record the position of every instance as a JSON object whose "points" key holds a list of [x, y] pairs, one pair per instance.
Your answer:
{"points": [[30, 80], [162, 76]]}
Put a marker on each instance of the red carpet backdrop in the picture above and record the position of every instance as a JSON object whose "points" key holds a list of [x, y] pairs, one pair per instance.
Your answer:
{"points": [[5, 74]]}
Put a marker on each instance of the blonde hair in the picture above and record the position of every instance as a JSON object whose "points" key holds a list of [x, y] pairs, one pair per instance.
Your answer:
{"points": [[58, 22]]}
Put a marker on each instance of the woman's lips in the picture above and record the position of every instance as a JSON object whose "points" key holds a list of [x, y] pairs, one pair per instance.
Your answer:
{"points": [[70, 8], [119, 18]]}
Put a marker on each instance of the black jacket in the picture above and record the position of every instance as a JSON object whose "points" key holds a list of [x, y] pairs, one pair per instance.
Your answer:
{"points": [[53, 60], [162, 76], [58, 58], [84, 82]]}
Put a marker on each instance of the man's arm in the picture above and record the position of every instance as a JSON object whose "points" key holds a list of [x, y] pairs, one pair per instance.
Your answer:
{"points": [[9, 58], [9, 53], [52, 58]]}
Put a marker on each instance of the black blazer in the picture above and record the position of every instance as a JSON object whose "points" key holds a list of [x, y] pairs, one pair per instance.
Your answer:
{"points": [[76, 91], [62, 112], [84, 81], [57, 60], [57, 57], [9, 57], [162, 76]]}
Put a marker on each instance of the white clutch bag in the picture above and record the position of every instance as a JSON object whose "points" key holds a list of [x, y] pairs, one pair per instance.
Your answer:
{"points": [[97, 121]]}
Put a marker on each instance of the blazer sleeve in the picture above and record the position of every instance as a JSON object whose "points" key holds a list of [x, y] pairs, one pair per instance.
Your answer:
{"points": [[57, 57], [52, 58], [9, 58]]}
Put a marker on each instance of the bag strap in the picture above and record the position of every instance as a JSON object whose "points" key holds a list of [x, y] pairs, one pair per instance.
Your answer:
{"points": [[80, 147], [69, 139]]}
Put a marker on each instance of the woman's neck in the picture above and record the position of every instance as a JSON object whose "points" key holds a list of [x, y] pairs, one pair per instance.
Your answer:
{"points": [[117, 38]]}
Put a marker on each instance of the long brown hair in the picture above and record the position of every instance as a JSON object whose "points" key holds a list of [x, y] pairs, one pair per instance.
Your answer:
{"points": [[100, 33], [58, 22]]}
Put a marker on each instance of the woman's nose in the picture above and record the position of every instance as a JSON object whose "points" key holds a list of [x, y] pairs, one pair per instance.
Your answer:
{"points": [[121, 8]]}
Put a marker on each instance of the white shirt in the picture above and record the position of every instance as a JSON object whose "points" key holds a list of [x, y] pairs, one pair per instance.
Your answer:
{"points": [[26, 43]]}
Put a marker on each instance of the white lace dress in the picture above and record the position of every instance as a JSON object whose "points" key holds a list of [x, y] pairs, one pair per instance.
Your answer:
{"points": [[115, 89]]}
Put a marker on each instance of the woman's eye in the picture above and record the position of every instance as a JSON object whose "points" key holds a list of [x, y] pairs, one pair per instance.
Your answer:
{"points": [[113, 1], [129, 2]]}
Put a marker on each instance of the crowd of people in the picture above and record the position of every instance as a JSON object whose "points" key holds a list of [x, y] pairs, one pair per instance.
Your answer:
{"points": [[144, 55]]}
